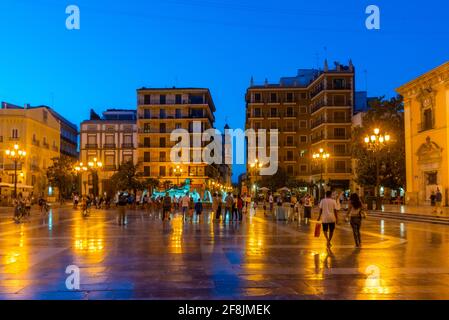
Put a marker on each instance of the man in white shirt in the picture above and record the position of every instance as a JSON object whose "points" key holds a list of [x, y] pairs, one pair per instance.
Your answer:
{"points": [[328, 210], [185, 202]]}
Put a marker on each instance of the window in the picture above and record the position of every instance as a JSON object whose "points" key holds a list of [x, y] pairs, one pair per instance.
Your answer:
{"points": [[274, 125], [178, 114], [91, 139], [193, 171], [162, 99], [339, 116], [303, 124], [15, 134], [257, 97], [290, 141], [339, 100], [257, 125], [290, 112], [162, 113], [432, 178], [162, 128], [274, 112], [178, 99], [339, 132], [197, 113], [162, 157], [303, 139], [147, 171], [147, 114], [109, 160], [303, 110], [340, 149], [428, 120], [289, 126], [162, 142], [146, 143], [34, 137], [127, 157], [338, 84], [289, 97], [303, 168], [146, 157], [162, 171], [290, 170], [340, 166], [273, 97], [178, 126], [45, 115], [289, 156], [147, 99], [127, 139], [257, 112], [1, 138], [109, 139], [146, 128]]}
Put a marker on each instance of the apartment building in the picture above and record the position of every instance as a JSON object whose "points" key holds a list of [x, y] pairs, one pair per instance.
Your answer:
{"points": [[160, 111], [37, 131], [112, 140], [312, 111]]}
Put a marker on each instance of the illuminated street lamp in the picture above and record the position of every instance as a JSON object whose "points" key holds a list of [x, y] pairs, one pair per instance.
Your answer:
{"points": [[79, 169], [16, 155], [321, 156], [375, 143], [178, 172], [255, 168]]}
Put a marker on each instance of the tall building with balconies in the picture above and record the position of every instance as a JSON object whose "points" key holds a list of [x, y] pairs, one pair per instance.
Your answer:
{"points": [[312, 110], [160, 111], [112, 140]]}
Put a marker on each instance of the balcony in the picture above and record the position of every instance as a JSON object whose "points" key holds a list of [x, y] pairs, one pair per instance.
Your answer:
{"points": [[91, 146], [425, 126], [127, 145], [45, 145], [333, 86], [339, 170], [290, 159], [109, 146], [14, 138], [319, 122], [10, 167], [110, 168], [330, 137], [36, 143]]}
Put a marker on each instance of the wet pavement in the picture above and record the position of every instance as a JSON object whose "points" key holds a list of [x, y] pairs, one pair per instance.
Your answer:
{"points": [[255, 259]]}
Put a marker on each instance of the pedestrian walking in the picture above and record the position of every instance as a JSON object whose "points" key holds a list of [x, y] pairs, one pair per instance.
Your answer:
{"points": [[219, 206], [240, 203], [229, 201], [121, 207], [185, 202], [166, 207], [308, 205], [355, 215], [215, 206], [438, 202], [235, 214], [328, 211], [199, 210]]}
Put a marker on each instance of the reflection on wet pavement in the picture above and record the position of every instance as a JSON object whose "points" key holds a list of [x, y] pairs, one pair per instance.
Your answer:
{"points": [[255, 259]]}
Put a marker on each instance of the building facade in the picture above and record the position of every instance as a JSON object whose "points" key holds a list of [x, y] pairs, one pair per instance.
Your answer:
{"points": [[37, 131], [160, 111], [112, 140], [312, 110], [426, 116]]}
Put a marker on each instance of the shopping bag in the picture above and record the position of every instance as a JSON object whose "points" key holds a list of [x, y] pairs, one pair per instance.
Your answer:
{"points": [[317, 230]]}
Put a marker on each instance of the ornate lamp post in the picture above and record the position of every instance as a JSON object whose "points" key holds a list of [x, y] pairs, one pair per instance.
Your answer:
{"points": [[375, 143], [16, 155], [80, 168], [92, 166], [254, 171], [321, 156], [178, 172]]}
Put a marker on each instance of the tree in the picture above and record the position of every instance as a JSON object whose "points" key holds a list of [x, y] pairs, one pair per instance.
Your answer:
{"points": [[127, 178], [388, 116], [61, 175], [151, 183]]}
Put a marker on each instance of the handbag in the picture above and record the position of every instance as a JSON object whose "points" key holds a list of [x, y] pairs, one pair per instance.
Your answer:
{"points": [[317, 230]]}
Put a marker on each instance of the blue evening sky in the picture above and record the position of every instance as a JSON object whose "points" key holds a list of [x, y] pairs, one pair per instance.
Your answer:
{"points": [[124, 45]]}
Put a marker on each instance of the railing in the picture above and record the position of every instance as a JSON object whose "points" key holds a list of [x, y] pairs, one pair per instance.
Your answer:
{"points": [[339, 170], [109, 146], [10, 167], [110, 168], [127, 145], [91, 146], [36, 143], [319, 122], [46, 145], [14, 138], [346, 86]]}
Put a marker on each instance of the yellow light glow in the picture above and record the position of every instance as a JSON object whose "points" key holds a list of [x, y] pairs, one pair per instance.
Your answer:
{"points": [[387, 137], [376, 131], [366, 139], [16, 147], [373, 138]]}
